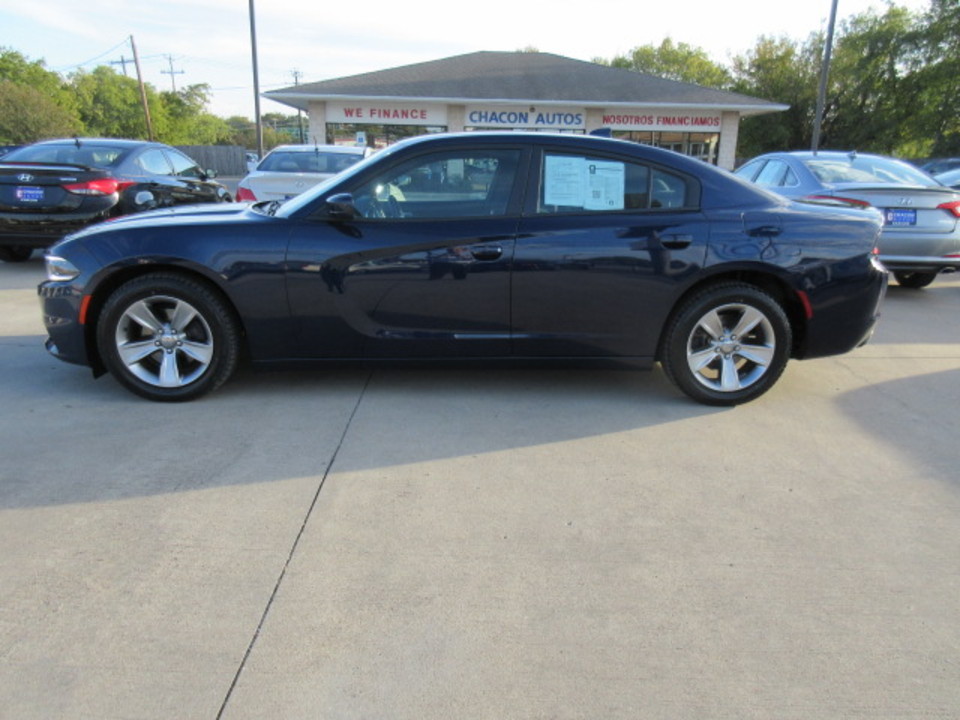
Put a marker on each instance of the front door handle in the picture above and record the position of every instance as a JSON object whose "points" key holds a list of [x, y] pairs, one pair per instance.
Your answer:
{"points": [[676, 241], [486, 252]]}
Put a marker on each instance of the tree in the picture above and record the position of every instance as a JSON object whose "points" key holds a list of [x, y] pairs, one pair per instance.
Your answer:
{"points": [[935, 84], [188, 121], [110, 105], [680, 62], [784, 71], [870, 100], [28, 115], [36, 103]]}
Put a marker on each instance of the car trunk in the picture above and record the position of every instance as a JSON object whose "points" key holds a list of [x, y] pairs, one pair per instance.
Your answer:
{"points": [[36, 188], [283, 185]]}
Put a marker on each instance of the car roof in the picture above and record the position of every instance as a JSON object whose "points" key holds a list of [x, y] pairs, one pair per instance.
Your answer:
{"points": [[352, 149], [116, 142]]}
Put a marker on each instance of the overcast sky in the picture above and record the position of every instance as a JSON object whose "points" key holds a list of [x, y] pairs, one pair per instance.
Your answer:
{"points": [[209, 40]]}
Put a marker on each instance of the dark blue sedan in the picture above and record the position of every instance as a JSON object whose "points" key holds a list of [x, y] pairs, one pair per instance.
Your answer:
{"points": [[482, 246]]}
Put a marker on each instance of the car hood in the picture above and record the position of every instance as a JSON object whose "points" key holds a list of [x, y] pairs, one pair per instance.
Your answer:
{"points": [[207, 212]]}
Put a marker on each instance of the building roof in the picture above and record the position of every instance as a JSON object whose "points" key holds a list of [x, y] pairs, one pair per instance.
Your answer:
{"points": [[520, 77]]}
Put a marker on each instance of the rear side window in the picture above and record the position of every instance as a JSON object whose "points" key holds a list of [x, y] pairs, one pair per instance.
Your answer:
{"points": [[154, 162], [578, 183]]}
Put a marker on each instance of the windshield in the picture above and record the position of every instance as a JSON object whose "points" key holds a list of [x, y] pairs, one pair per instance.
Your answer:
{"points": [[866, 169], [87, 154], [315, 161]]}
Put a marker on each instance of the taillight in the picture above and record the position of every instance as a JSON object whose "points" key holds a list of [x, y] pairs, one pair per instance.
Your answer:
{"points": [[952, 207], [838, 200], [103, 186], [245, 194]]}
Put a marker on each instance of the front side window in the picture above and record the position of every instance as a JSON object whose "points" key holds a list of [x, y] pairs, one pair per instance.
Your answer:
{"points": [[577, 183], [449, 184]]}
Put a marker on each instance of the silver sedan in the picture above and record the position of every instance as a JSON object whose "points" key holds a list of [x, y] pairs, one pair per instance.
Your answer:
{"points": [[921, 217], [288, 170]]}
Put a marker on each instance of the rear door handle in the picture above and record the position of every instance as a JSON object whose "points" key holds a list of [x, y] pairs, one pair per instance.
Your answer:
{"points": [[764, 231], [486, 252]]}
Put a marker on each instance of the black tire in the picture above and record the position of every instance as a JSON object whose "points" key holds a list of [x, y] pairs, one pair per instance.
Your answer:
{"points": [[914, 280], [727, 344], [168, 338], [15, 253]]}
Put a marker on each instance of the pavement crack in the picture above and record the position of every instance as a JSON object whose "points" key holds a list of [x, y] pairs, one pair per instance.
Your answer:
{"points": [[293, 548]]}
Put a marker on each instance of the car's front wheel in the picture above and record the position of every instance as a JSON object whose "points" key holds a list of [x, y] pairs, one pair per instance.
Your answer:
{"points": [[167, 337], [727, 344], [914, 280]]}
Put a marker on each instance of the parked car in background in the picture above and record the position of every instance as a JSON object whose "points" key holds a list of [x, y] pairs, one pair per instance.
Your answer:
{"points": [[950, 178], [940, 165], [55, 187], [288, 170], [476, 246], [921, 231]]}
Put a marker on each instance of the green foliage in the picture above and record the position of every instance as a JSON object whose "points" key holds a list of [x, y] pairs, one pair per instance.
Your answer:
{"points": [[28, 115], [680, 62], [783, 71], [110, 105]]}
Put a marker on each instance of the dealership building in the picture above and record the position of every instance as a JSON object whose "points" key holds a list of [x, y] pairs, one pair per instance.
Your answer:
{"points": [[524, 91]]}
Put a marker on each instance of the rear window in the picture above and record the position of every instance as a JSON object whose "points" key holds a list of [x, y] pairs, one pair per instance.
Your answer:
{"points": [[858, 169], [312, 162], [89, 155]]}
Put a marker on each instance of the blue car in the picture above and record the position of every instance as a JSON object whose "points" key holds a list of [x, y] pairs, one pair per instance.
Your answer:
{"points": [[921, 228], [482, 246]]}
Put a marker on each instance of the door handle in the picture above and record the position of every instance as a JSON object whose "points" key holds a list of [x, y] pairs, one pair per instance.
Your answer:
{"points": [[486, 252], [675, 241], [764, 231]]}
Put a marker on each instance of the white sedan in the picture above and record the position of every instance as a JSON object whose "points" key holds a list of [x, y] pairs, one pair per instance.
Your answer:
{"points": [[288, 170]]}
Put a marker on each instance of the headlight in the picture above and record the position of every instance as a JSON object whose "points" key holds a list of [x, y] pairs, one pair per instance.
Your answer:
{"points": [[60, 269]]}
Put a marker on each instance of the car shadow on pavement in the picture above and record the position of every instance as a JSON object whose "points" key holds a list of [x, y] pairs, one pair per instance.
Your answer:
{"points": [[67, 438]]}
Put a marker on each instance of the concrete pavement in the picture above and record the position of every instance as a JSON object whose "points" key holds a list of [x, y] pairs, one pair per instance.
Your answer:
{"points": [[467, 543]]}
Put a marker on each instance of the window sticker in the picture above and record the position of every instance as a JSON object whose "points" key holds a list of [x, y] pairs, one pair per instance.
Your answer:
{"points": [[606, 183], [584, 183], [564, 181]]}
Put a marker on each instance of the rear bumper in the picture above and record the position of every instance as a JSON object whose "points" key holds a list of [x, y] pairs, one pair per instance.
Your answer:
{"points": [[920, 263], [845, 319]]}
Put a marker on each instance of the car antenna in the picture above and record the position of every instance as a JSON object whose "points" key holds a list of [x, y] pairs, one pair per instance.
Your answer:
{"points": [[852, 155], [76, 141]]}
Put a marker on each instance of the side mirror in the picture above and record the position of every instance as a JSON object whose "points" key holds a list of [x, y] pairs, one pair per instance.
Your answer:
{"points": [[341, 206], [211, 174]]}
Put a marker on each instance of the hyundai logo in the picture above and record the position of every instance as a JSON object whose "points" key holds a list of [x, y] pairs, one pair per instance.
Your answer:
{"points": [[25, 177], [906, 201]]}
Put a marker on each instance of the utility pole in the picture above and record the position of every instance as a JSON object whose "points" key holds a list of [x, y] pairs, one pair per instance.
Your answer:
{"points": [[171, 72], [122, 61], [296, 81], [143, 90], [256, 80], [824, 72]]}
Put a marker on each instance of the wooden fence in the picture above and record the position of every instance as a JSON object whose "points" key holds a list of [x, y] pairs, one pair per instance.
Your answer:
{"points": [[226, 160]]}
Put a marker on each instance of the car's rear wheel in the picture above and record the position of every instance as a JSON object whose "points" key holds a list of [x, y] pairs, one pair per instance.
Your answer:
{"points": [[15, 253], [168, 338], [915, 280], [727, 344]]}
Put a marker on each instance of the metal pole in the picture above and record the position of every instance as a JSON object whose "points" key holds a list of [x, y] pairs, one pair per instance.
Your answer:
{"points": [[256, 80], [143, 90], [824, 72]]}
